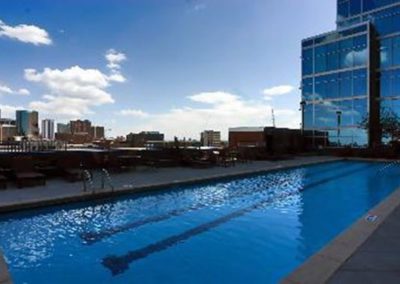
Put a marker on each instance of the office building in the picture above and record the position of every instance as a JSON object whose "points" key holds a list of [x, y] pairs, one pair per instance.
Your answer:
{"points": [[63, 128], [27, 123], [80, 126], [210, 138], [97, 132], [144, 137], [7, 132], [246, 137], [351, 76], [48, 129]]}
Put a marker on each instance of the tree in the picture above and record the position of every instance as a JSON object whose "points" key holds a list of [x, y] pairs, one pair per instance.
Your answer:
{"points": [[389, 123]]}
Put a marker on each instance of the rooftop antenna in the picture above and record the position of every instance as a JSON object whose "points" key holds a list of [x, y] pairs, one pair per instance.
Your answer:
{"points": [[273, 117]]}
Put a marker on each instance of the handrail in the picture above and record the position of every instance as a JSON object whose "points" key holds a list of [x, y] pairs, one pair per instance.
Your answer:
{"points": [[105, 175], [87, 177]]}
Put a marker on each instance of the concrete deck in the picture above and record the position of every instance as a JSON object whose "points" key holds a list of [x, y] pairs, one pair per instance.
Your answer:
{"points": [[378, 259], [142, 179], [367, 252]]}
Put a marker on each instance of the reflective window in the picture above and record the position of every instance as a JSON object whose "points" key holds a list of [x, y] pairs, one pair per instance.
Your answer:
{"points": [[308, 116], [326, 115], [331, 86], [390, 83], [320, 59], [385, 82], [396, 82], [355, 7], [332, 56], [307, 89], [360, 50], [343, 9], [360, 82], [390, 52], [373, 4], [396, 50], [346, 56], [386, 53], [346, 108], [307, 64], [386, 21], [360, 111], [345, 83]]}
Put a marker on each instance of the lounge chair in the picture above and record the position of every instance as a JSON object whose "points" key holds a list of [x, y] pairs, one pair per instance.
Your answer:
{"points": [[70, 169], [25, 174], [3, 182]]}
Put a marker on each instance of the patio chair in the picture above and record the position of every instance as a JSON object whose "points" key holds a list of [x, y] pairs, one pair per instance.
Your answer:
{"points": [[3, 182], [70, 169], [25, 174]]}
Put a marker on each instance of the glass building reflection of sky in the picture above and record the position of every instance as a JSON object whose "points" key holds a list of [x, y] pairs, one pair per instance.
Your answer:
{"points": [[337, 75]]}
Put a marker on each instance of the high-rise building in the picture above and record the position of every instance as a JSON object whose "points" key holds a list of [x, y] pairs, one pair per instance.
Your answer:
{"points": [[63, 128], [7, 132], [27, 123], [351, 76], [210, 138], [48, 129], [97, 132], [80, 126]]}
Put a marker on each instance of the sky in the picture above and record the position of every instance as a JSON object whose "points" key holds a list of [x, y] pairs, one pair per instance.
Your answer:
{"points": [[175, 66]]}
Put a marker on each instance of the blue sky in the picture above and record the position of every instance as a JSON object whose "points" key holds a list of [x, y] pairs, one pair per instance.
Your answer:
{"points": [[178, 66]]}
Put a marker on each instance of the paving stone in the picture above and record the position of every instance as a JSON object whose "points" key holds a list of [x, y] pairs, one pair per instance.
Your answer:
{"points": [[365, 277]]}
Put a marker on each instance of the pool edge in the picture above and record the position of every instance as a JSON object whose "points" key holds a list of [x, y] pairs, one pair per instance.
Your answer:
{"points": [[88, 196], [321, 266], [5, 276]]}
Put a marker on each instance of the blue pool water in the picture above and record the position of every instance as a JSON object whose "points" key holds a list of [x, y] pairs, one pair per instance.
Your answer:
{"points": [[249, 230]]}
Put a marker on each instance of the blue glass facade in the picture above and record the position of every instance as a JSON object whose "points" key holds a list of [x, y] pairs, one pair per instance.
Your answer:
{"points": [[351, 75]]}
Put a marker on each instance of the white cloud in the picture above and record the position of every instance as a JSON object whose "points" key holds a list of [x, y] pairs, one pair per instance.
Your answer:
{"points": [[134, 113], [7, 90], [221, 111], [25, 33], [278, 90], [8, 111], [114, 58], [71, 92], [23, 92], [214, 97]]}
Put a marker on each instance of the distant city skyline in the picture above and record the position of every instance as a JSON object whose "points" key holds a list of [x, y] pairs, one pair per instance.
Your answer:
{"points": [[176, 66]]}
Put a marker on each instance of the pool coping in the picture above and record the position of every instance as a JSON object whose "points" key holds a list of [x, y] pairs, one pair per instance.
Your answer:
{"points": [[321, 266]]}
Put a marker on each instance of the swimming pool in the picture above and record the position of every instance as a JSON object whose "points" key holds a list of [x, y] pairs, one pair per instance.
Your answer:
{"points": [[255, 229]]}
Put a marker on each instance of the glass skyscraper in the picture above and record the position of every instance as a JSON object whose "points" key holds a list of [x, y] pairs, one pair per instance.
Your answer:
{"points": [[27, 123], [351, 76]]}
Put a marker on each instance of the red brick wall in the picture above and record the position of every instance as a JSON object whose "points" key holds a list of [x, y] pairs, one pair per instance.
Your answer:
{"points": [[246, 138]]}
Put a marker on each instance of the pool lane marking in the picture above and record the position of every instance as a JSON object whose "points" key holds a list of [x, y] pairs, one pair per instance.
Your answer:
{"points": [[119, 264], [93, 237]]}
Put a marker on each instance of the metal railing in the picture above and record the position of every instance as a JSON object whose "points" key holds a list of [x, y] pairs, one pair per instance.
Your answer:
{"points": [[31, 146], [105, 177], [87, 180]]}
